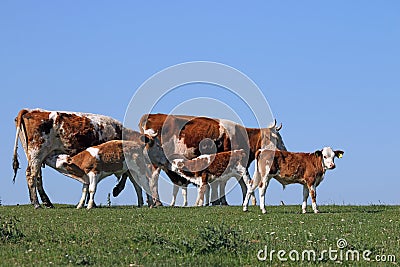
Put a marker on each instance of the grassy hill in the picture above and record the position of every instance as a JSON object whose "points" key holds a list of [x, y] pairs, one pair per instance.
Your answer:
{"points": [[208, 236]]}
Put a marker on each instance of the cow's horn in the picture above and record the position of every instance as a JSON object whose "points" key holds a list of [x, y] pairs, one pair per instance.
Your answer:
{"points": [[273, 125], [279, 127]]}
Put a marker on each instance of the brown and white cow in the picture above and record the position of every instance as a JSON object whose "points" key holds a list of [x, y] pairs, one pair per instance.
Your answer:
{"points": [[113, 157], [307, 169], [192, 136], [46, 134], [209, 168]]}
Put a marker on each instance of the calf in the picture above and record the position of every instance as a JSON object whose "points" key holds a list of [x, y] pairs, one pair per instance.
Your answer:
{"points": [[208, 168], [307, 169], [116, 157]]}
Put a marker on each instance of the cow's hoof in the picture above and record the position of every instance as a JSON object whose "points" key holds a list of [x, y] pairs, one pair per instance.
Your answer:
{"points": [[245, 209], [158, 204], [316, 211], [48, 205], [215, 203], [304, 211], [263, 211], [37, 206]]}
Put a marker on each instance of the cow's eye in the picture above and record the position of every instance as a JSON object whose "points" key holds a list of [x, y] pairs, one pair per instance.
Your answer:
{"points": [[325, 157]]}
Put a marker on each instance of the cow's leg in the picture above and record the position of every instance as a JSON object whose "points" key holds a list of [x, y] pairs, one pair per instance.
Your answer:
{"points": [[175, 190], [120, 186], [201, 190], [153, 183], [222, 194], [251, 187], [313, 195], [262, 190], [215, 201], [305, 197], [43, 196], [92, 189], [81, 203], [137, 187], [32, 173], [243, 182], [207, 195], [184, 195]]}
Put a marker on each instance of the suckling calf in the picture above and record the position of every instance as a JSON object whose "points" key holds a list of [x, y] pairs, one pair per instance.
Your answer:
{"points": [[121, 158], [307, 169], [208, 168]]}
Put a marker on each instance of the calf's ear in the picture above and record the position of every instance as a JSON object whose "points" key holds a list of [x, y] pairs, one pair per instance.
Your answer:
{"points": [[339, 153], [318, 153]]}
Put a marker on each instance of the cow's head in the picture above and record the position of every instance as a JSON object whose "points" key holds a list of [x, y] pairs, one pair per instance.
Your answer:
{"points": [[154, 149], [274, 136], [328, 157]]}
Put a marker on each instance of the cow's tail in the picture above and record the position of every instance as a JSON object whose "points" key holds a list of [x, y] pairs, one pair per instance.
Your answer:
{"points": [[20, 127]]}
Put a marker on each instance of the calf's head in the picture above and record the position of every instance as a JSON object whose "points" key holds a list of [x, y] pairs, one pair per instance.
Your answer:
{"points": [[154, 149], [328, 157]]}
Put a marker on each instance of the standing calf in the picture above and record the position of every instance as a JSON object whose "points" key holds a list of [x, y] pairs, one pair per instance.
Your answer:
{"points": [[116, 157], [307, 169], [208, 168]]}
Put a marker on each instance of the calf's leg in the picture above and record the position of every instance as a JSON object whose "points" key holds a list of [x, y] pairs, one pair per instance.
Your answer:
{"points": [[313, 195], [81, 203], [184, 195], [175, 190], [305, 197], [92, 189]]}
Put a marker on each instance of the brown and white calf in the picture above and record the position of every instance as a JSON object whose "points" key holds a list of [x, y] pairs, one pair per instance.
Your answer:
{"points": [[121, 158], [209, 168], [307, 169]]}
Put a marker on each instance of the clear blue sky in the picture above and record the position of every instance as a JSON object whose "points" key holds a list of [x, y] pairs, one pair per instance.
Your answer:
{"points": [[330, 71]]}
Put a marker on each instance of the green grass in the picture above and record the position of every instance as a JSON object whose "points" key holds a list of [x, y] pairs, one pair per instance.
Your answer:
{"points": [[208, 236]]}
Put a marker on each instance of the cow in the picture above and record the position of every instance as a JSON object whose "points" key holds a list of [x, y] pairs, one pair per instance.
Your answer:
{"points": [[113, 157], [192, 136], [307, 169], [46, 134], [209, 168]]}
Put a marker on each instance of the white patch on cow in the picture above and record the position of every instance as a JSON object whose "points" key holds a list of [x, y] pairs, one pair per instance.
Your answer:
{"points": [[228, 127], [208, 157], [106, 124], [150, 131], [61, 159], [53, 116], [328, 157], [94, 152]]}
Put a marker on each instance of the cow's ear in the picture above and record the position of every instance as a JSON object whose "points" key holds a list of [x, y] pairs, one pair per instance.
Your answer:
{"points": [[318, 153], [339, 153]]}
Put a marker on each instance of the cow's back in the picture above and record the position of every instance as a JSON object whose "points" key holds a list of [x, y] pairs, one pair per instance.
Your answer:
{"points": [[69, 132]]}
